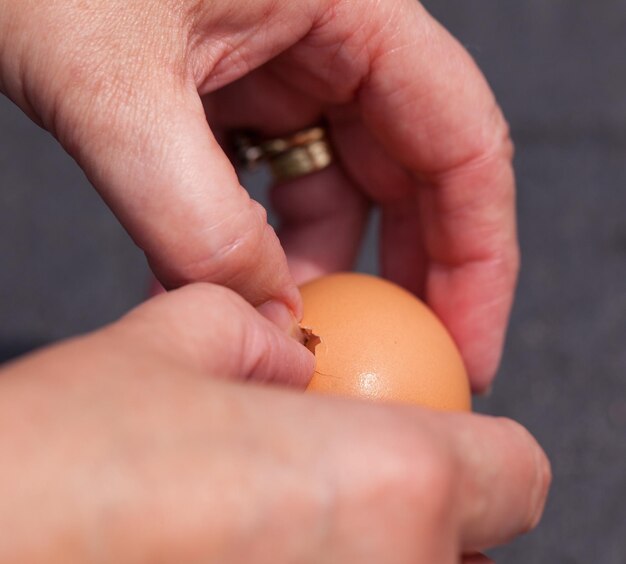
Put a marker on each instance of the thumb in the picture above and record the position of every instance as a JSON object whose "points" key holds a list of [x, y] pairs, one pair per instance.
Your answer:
{"points": [[211, 330], [155, 161]]}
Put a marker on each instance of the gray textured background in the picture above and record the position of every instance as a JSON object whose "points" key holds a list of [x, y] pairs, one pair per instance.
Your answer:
{"points": [[559, 70]]}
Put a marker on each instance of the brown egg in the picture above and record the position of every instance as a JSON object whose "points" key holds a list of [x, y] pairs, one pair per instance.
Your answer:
{"points": [[378, 341]]}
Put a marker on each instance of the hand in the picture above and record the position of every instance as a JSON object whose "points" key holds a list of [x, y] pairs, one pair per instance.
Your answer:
{"points": [[417, 131], [139, 443]]}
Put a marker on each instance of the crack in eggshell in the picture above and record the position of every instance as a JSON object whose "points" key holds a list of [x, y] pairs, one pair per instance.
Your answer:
{"points": [[311, 340]]}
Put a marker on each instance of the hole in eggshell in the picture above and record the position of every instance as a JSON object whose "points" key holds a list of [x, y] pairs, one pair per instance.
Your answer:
{"points": [[311, 340]]}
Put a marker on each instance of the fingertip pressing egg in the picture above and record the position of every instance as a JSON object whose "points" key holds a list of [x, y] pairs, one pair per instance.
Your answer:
{"points": [[374, 340]]}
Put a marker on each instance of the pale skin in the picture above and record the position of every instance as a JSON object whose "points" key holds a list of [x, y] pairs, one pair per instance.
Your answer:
{"points": [[140, 93], [152, 440], [417, 130]]}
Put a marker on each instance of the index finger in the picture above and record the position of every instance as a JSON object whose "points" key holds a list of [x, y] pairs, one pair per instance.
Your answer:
{"points": [[431, 108]]}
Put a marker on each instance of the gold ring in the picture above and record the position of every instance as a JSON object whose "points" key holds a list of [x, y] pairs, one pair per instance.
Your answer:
{"points": [[289, 157]]}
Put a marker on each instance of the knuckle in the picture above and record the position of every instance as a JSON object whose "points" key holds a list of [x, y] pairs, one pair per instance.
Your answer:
{"points": [[499, 142], [508, 145], [507, 265], [204, 295], [513, 263], [232, 252], [422, 472], [433, 481]]}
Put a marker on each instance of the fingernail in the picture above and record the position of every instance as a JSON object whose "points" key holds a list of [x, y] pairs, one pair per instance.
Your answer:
{"points": [[544, 479], [477, 559], [485, 392], [155, 288], [281, 316]]}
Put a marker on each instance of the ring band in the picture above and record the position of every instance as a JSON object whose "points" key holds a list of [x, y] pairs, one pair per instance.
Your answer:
{"points": [[289, 157]]}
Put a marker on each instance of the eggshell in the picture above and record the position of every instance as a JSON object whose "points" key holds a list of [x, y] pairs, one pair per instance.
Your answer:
{"points": [[380, 342]]}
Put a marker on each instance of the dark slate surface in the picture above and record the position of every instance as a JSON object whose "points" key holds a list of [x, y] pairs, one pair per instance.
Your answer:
{"points": [[559, 70]]}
